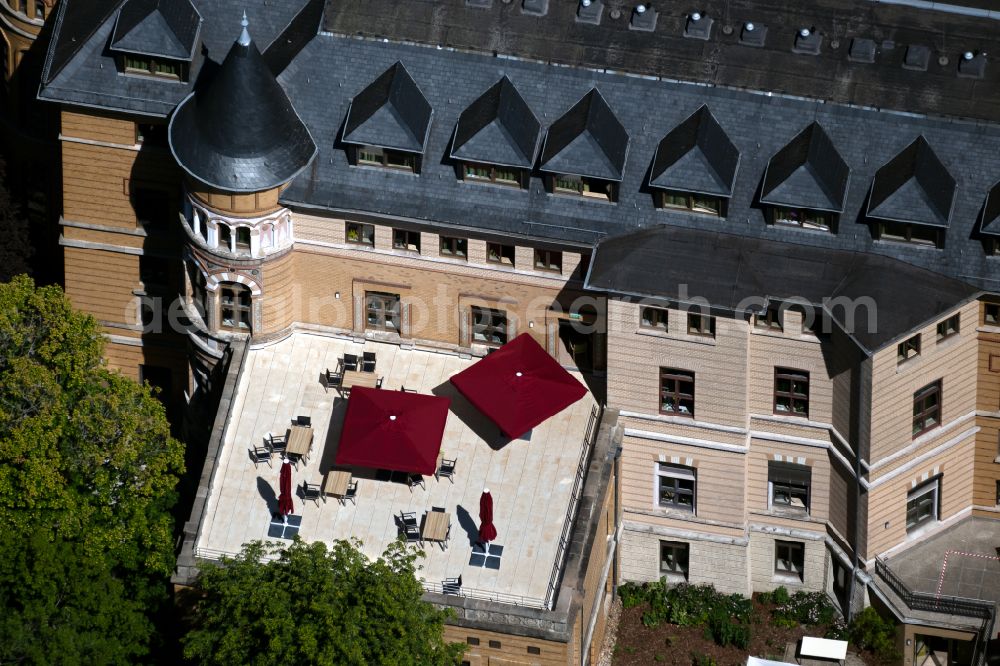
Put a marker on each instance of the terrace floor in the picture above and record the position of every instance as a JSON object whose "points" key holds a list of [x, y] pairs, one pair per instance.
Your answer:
{"points": [[531, 481]]}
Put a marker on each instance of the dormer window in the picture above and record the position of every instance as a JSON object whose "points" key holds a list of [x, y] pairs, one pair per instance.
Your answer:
{"points": [[918, 234], [696, 203], [384, 157], [145, 65], [594, 188], [156, 39], [487, 173], [803, 217]]}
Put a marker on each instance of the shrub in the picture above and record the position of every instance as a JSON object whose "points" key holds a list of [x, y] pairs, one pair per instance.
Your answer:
{"points": [[780, 595], [765, 597], [725, 631], [698, 659], [631, 594], [808, 608], [869, 631]]}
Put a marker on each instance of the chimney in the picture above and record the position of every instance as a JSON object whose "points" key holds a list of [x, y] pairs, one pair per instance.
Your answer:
{"points": [[590, 11], [698, 26], [643, 18]]}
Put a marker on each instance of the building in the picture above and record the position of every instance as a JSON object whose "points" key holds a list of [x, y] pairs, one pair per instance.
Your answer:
{"points": [[765, 237]]}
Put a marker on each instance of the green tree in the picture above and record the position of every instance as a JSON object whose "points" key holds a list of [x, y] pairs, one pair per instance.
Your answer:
{"points": [[87, 477], [306, 604]]}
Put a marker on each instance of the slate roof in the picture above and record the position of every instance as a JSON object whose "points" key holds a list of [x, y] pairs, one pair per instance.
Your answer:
{"points": [[914, 186], [807, 173], [166, 28], [390, 112], [587, 140], [734, 273], [696, 156], [990, 224], [498, 128], [723, 60], [239, 132]]}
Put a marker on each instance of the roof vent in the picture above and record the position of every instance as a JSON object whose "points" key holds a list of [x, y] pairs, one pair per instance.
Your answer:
{"points": [[698, 26], [643, 18], [916, 57], [535, 7], [807, 41], [753, 34], [482, 4], [861, 50], [590, 11], [972, 65]]}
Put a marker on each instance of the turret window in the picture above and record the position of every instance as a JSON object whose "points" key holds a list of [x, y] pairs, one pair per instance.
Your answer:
{"points": [[242, 239], [225, 237], [235, 306]]}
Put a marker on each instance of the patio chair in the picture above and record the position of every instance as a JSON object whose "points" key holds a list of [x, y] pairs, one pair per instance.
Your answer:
{"points": [[277, 443], [259, 454], [415, 480], [447, 469], [350, 362], [451, 585], [378, 382], [304, 421], [406, 390], [295, 459], [368, 362], [333, 379], [312, 491], [351, 494], [412, 533], [408, 518]]}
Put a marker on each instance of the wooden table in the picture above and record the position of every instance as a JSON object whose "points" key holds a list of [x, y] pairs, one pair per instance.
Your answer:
{"points": [[436, 525], [299, 440], [336, 483], [354, 378]]}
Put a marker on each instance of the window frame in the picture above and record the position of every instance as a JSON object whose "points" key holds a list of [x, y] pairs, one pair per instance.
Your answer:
{"points": [[991, 314], [920, 398], [914, 496], [681, 556], [675, 476], [790, 479], [948, 327], [457, 248], [408, 237], [493, 174], [386, 158], [584, 186], [660, 322], [387, 309], [691, 202], [696, 324], [241, 246], [547, 265], [672, 381], [501, 256], [902, 232], [793, 376], [794, 553], [908, 349], [771, 319], [242, 312], [808, 218], [365, 233], [133, 63], [494, 334]]}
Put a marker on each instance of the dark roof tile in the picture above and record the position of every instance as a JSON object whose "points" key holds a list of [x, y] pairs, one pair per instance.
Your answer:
{"points": [[696, 156], [498, 128], [914, 186], [166, 28], [390, 113], [990, 224], [587, 140], [807, 173]]}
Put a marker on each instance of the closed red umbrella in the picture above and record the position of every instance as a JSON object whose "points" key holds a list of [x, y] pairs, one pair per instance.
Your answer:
{"points": [[285, 505], [487, 531]]}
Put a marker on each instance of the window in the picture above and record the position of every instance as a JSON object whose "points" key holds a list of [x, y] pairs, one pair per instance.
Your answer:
{"points": [[406, 240], [675, 487], [489, 327], [653, 318], [948, 327], [472, 640], [700, 324], [151, 135], [789, 559], [225, 237], [383, 157], [902, 232], [243, 239], [788, 485], [488, 173], [497, 253], [791, 392], [927, 408], [39, 9], [235, 307], [151, 206], [802, 217], [382, 311], [908, 348], [697, 203], [586, 187], [454, 247], [362, 234], [143, 65], [769, 319], [922, 504], [495, 645], [991, 314], [22, 6], [534, 650], [674, 560], [676, 392], [548, 260]]}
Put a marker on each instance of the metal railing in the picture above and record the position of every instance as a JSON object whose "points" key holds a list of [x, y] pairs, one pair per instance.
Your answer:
{"points": [[932, 602], [555, 577], [486, 595]]}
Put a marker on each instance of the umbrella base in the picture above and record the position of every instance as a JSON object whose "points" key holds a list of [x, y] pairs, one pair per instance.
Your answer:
{"points": [[486, 555], [284, 527]]}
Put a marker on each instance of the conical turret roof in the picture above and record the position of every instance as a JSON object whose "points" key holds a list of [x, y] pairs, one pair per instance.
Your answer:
{"points": [[240, 132]]}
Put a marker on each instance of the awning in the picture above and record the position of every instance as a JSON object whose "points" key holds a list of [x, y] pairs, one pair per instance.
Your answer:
{"points": [[392, 430], [519, 386]]}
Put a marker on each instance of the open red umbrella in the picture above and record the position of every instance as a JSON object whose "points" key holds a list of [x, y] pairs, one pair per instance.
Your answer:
{"points": [[285, 505], [487, 532]]}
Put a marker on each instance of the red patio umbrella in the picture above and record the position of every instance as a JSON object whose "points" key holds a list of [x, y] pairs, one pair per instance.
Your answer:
{"points": [[393, 430], [487, 531], [519, 386], [285, 505]]}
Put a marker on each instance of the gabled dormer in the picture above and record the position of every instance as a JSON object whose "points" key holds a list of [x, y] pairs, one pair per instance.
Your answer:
{"points": [[912, 197], [388, 122], [805, 183], [585, 150], [156, 38]]}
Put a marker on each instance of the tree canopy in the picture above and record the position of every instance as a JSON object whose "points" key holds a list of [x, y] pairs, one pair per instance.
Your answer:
{"points": [[87, 476], [307, 604]]}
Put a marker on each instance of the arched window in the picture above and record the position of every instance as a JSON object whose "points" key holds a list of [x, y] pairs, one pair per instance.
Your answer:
{"points": [[267, 236], [235, 307], [225, 237], [243, 239], [198, 291], [39, 9]]}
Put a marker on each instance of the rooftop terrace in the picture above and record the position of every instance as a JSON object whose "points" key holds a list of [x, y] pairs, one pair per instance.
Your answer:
{"points": [[532, 482]]}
